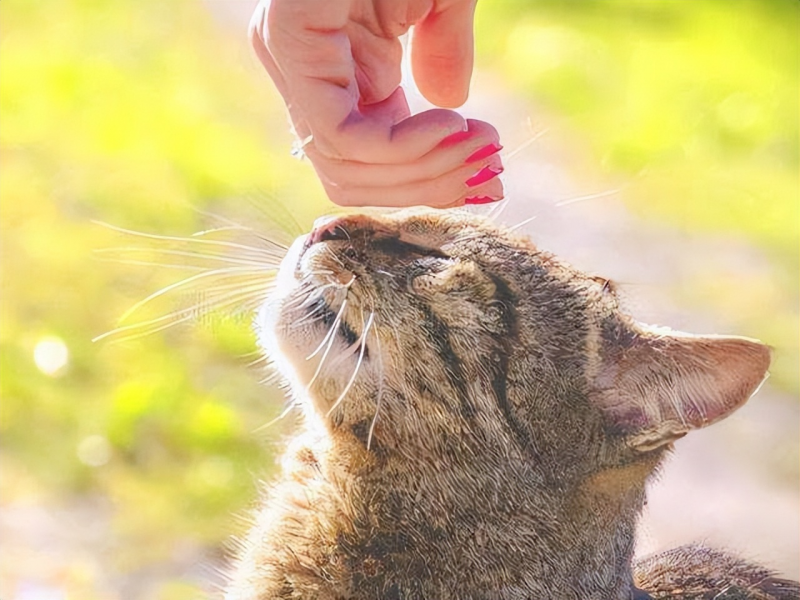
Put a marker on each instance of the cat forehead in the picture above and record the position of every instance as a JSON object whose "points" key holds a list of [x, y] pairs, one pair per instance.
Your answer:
{"points": [[425, 221], [428, 221], [458, 233], [435, 227]]}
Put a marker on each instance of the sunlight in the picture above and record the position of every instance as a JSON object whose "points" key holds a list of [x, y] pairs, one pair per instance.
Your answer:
{"points": [[51, 356]]}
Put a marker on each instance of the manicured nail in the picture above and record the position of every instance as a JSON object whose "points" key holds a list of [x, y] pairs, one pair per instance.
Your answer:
{"points": [[456, 138], [484, 152], [484, 175], [481, 200]]}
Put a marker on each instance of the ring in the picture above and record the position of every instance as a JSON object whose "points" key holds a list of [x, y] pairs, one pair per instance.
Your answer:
{"points": [[298, 147]]}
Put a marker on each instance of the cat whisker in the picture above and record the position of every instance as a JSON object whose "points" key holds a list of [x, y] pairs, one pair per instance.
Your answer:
{"points": [[270, 379], [334, 257], [190, 240], [251, 296], [268, 210], [302, 297], [182, 283], [335, 326], [148, 263], [312, 296], [222, 219], [313, 315], [345, 232], [359, 362], [213, 230], [569, 201], [379, 399], [243, 297], [280, 417], [508, 156], [309, 318], [374, 420], [243, 303], [261, 359], [324, 341], [256, 261], [498, 209], [522, 223], [317, 293], [243, 282], [170, 322]]}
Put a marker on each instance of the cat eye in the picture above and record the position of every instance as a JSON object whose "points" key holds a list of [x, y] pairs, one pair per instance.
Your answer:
{"points": [[394, 246]]}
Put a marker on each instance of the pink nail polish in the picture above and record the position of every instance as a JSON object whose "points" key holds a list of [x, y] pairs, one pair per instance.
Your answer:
{"points": [[484, 175], [456, 138], [481, 200], [484, 152]]}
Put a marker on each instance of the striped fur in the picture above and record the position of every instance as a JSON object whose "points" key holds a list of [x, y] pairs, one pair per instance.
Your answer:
{"points": [[481, 418]]}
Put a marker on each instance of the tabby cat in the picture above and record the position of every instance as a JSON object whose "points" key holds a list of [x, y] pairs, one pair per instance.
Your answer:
{"points": [[480, 422]]}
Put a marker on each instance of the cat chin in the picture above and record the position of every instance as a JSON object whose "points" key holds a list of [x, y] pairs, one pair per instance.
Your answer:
{"points": [[278, 324], [296, 345], [288, 354], [285, 281]]}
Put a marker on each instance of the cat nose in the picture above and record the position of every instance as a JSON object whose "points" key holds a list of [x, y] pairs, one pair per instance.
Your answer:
{"points": [[355, 229]]}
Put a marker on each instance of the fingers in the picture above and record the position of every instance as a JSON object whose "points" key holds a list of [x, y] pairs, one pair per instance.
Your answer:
{"points": [[457, 169], [312, 65], [304, 47], [257, 33], [384, 133], [463, 181], [442, 53], [339, 78], [377, 63], [447, 191], [473, 147]]}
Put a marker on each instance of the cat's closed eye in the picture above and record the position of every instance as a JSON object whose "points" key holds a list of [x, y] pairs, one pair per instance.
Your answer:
{"points": [[423, 272], [478, 407]]}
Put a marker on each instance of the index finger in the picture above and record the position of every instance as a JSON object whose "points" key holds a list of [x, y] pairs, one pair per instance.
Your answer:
{"points": [[304, 47]]}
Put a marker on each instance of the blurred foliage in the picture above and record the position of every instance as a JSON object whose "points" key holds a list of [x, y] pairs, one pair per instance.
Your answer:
{"points": [[693, 106], [145, 115], [139, 114]]}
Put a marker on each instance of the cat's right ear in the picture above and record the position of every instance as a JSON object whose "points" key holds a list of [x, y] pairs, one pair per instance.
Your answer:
{"points": [[655, 385]]}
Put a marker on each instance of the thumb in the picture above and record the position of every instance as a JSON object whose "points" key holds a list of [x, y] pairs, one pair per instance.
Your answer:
{"points": [[442, 53]]}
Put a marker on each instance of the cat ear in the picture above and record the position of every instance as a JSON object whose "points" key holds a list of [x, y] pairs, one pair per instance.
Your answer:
{"points": [[656, 385]]}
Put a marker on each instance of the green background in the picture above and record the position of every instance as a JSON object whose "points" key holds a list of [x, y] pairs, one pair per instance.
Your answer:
{"points": [[147, 115]]}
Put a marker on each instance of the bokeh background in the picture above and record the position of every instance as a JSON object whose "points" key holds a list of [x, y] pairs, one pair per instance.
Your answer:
{"points": [[656, 141]]}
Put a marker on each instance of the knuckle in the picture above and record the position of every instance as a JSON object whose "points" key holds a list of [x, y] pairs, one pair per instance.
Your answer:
{"points": [[338, 195]]}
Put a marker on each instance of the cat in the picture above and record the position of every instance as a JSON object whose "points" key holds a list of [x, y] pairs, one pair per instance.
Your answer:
{"points": [[480, 421]]}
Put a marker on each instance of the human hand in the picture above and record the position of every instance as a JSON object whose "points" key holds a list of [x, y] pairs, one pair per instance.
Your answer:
{"points": [[337, 65]]}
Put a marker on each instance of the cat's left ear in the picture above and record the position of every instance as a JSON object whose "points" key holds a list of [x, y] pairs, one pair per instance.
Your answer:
{"points": [[655, 385]]}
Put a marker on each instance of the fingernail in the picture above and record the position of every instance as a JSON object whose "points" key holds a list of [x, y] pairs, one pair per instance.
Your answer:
{"points": [[457, 137], [481, 200], [484, 152], [484, 175]]}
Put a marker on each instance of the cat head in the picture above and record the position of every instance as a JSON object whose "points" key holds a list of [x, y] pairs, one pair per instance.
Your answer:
{"points": [[434, 332]]}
